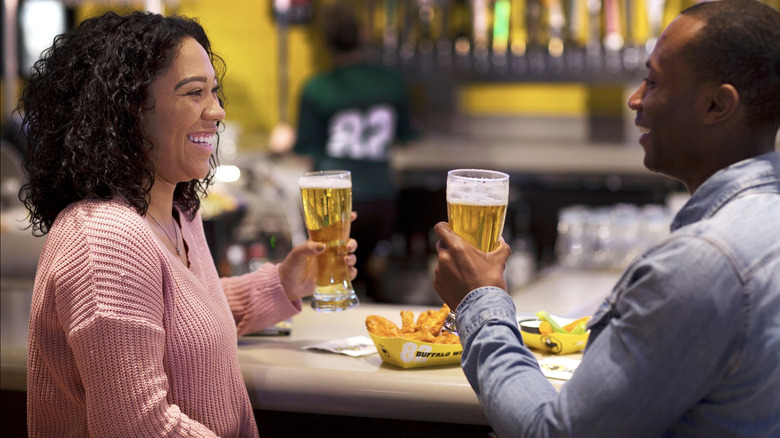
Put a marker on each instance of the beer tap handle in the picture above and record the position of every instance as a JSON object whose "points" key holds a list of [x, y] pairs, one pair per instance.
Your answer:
{"points": [[462, 22], [576, 21], [557, 22], [630, 51], [577, 35], [655, 17], [534, 20], [518, 28], [536, 38], [479, 16], [613, 39], [502, 11], [593, 46], [390, 35], [409, 32], [371, 28], [437, 14], [425, 14], [442, 34]]}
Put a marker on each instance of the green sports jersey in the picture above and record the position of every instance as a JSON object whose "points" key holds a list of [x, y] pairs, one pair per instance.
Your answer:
{"points": [[349, 118]]}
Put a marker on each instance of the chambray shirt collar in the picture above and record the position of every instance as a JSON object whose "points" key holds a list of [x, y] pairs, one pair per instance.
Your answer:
{"points": [[727, 183]]}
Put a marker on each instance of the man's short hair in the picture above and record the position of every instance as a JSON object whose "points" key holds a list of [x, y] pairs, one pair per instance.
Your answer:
{"points": [[740, 45]]}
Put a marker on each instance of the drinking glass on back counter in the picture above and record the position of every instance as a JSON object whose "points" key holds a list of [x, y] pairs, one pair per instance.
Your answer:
{"points": [[476, 209], [609, 237], [327, 207]]}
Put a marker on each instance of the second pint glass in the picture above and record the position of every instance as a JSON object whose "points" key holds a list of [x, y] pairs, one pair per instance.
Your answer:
{"points": [[476, 209], [327, 208], [476, 205]]}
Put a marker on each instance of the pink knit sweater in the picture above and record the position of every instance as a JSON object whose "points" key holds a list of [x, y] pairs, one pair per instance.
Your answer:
{"points": [[127, 341]]}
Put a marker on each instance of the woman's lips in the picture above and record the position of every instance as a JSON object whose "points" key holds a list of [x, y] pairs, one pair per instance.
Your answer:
{"points": [[203, 140]]}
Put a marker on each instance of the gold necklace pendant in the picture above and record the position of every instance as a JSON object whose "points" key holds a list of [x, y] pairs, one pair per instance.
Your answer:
{"points": [[176, 243]]}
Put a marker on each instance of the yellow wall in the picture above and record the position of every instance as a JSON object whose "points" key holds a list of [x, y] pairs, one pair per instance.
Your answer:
{"points": [[244, 33], [540, 99], [500, 99]]}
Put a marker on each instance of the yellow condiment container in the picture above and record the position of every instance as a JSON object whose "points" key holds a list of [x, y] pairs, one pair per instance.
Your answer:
{"points": [[556, 343]]}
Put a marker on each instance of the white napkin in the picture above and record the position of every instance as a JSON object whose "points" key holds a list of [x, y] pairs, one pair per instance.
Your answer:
{"points": [[356, 346], [560, 368]]}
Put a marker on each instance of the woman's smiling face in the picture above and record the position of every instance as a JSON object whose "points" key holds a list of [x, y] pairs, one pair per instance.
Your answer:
{"points": [[180, 115]]}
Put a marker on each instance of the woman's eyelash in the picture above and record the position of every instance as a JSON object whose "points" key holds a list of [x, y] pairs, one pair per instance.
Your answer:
{"points": [[199, 91]]}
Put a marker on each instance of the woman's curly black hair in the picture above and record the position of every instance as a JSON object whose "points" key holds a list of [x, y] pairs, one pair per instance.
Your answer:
{"points": [[81, 113]]}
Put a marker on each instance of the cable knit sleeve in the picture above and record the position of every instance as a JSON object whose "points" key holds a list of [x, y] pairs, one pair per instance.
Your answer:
{"points": [[101, 282], [257, 299]]}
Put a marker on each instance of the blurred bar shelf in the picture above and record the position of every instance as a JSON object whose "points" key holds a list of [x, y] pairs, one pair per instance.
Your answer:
{"points": [[540, 158]]}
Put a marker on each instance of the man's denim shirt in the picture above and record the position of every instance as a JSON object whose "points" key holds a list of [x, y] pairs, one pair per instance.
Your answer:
{"points": [[686, 344]]}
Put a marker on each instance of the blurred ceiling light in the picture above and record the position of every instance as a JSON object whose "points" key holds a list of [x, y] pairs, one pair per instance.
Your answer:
{"points": [[40, 22], [228, 173]]}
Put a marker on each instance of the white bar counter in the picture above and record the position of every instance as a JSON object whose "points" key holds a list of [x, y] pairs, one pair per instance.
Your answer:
{"points": [[281, 376]]}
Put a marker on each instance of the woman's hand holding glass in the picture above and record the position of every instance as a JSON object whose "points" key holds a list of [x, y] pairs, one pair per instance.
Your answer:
{"points": [[298, 271]]}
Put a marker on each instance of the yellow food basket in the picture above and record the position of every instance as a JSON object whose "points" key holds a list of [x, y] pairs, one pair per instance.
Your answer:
{"points": [[557, 343], [406, 353]]}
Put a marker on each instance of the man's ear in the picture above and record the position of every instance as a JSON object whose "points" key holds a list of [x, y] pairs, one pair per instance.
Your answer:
{"points": [[724, 101]]}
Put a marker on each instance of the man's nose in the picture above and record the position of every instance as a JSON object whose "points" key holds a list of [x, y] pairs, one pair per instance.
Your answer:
{"points": [[635, 100]]}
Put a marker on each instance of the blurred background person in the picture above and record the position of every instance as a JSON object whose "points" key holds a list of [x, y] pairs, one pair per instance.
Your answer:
{"points": [[132, 332], [349, 118]]}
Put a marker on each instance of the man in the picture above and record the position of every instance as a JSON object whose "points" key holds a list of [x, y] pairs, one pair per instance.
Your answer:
{"points": [[350, 116], [688, 342]]}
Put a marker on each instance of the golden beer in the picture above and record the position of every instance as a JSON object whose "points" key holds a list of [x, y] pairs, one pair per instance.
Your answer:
{"points": [[476, 209], [323, 210], [327, 207], [479, 225]]}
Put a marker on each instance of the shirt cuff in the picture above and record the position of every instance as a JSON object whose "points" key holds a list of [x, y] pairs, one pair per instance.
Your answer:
{"points": [[481, 305]]}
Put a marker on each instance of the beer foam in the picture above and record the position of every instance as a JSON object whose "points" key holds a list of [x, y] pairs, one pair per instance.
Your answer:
{"points": [[323, 182], [471, 193]]}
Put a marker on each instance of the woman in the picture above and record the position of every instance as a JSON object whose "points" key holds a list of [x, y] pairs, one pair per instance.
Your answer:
{"points": [[132, 332]]}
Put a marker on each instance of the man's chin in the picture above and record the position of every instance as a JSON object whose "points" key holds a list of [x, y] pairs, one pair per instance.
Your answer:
{"points": [[649, 162], [667, 171], [653, 166]]}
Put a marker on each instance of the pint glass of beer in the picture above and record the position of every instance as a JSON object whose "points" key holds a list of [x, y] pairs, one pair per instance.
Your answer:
{"points": [[476, 209], [327, 208]]}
